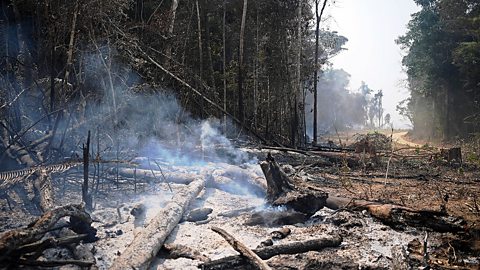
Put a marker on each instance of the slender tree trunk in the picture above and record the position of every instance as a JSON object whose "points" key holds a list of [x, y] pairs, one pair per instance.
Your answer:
{"points": [[71, 46], [298, 95], [315, 76], [173, 12], [241, 113], [209, 49], [200, 54], [224, 68], [255, 77]]}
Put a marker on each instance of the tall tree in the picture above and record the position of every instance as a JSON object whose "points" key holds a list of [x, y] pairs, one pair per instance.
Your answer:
{"points": [[241, 114], [316, 67]]}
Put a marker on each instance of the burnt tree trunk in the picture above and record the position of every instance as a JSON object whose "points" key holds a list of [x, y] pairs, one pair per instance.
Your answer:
{"points": [[281, 190], [86, 197]]}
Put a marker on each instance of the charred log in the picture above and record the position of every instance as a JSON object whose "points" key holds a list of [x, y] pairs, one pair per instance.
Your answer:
{"points": [[239, 262], [148, 241], [399, 217]]}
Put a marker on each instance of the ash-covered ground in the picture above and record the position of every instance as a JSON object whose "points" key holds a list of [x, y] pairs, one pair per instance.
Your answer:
{"points": [[366, 242]]}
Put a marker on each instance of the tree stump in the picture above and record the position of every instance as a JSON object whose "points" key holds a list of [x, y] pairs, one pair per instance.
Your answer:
{"points": [[296, 195]]}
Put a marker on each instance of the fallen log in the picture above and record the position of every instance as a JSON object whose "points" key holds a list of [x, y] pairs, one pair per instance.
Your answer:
{"points": [[218, 182], [16, 239], [239, 262], [243, 250], [283, 191], [148, 241], [398, 216]]}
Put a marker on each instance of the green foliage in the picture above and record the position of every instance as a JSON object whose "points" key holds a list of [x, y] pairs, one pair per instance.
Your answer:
{"points": [[442, 64]]}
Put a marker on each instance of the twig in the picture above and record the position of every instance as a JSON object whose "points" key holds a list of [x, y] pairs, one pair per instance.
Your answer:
{"points": [[164, 178]]}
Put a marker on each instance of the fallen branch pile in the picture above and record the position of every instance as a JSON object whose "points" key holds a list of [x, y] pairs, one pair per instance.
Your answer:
{"points": [[23, 246]]}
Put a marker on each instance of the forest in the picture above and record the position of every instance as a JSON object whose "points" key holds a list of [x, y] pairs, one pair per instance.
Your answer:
{"points": [[442, 65], [169, 134]]}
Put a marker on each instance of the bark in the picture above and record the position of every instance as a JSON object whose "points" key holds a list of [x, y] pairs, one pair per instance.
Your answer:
{"points": [[148, 242], [243, 250], [239, 262], [399, 217]]}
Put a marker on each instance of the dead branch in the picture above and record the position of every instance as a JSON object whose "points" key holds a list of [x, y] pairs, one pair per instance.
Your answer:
{"points": [[242, 249]]}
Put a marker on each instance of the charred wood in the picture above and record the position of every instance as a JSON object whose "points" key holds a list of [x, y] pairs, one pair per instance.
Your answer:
{"points": [[148, 241], [283, 191], [239, 262], [14, 240], [399, 217], [243, 250]]}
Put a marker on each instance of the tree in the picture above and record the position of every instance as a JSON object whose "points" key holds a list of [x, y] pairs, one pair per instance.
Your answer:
{"points": [[241, 114], [442, 42], [318, 17]]}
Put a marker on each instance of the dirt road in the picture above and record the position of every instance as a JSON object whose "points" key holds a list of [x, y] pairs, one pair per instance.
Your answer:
{"points": [[399, 137]]}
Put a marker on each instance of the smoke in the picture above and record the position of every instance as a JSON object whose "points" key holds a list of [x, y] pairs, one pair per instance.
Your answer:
{"points": [[338, 108]]}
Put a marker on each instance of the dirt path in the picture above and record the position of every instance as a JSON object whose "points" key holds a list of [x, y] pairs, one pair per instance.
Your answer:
{"points": [[399, 137]]}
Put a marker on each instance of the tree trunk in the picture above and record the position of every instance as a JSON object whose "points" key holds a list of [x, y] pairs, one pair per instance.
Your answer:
{"points": [[241, 113], [224, 68], [315, 76], [281, 190], [148, 242], [86, 197], [298, 94]]}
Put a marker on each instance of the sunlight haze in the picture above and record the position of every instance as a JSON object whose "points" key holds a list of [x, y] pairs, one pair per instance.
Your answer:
{"points": [[372, 55]]}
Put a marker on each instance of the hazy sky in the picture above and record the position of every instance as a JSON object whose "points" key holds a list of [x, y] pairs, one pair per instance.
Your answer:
{"points": [[371, 27]]}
